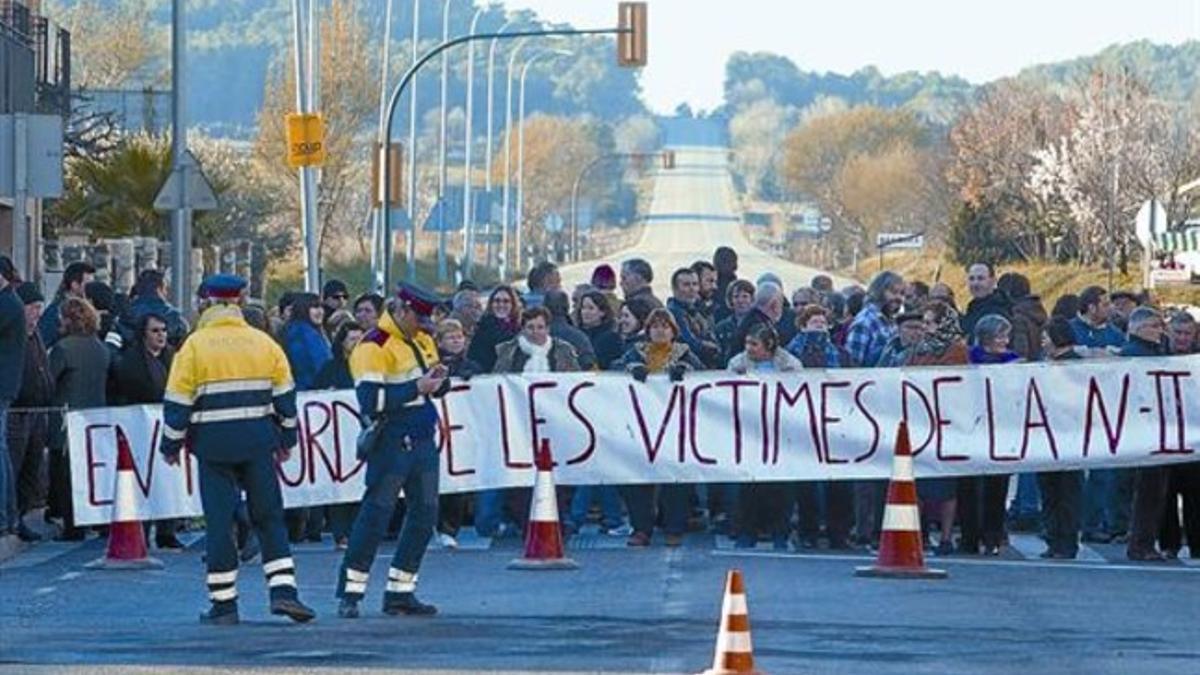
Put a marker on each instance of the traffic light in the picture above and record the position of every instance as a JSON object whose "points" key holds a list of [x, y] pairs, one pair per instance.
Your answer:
{"points": [[395, 191], [631, 41], [668, 159]]}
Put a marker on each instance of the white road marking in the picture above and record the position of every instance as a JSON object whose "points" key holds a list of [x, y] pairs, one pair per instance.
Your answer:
{"points": [[45, 589], [70, 575]]}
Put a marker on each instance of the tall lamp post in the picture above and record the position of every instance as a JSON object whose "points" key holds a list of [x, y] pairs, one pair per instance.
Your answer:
{"points": [[487, 178], [410, 241], [441, 193], [469, 222], [507, 189], [521, 149], [379, 266]]}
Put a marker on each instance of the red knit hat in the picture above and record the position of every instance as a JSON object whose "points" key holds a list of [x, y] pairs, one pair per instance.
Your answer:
{"points": [[604, 278]]}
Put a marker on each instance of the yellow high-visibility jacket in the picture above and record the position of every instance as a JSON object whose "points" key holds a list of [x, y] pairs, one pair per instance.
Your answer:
{"points": [[386, 367], [230, 391]]}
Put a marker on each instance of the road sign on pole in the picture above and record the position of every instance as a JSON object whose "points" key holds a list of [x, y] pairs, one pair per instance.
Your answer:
{"points": [[186, 188], [900, 240]]}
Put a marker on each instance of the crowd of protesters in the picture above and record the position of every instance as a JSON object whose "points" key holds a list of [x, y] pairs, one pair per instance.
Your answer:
{"points": [[91, 347]]}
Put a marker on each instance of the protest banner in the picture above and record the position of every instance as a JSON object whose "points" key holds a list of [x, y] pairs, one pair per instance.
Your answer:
{"points": [[714, 427]]}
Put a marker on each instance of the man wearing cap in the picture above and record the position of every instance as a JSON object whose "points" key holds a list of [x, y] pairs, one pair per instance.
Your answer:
{"points": [[396, 371], [230, 397]]}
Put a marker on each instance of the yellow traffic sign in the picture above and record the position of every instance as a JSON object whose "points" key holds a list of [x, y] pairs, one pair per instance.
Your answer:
{"points": [[305, 139]]}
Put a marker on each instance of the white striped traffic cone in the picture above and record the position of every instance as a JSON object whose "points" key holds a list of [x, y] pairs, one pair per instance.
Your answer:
{"points": [[900, 552], [543, 534], [735, 654], [126, 539]]}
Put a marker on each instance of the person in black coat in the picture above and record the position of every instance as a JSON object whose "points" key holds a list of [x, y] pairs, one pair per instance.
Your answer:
{"points": [[335, 374], [985, 297], [140, 376], [594, 316], [559, 305], [500, 323], [1150, 486]]}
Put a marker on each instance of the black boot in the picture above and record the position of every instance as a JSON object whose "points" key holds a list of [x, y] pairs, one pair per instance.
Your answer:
{"points": [[347, 609], [25, 534], [406, 603], [221, 614], [293, 609]]}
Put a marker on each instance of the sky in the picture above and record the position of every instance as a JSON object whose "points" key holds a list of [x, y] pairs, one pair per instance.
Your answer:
{"points": [[690, 40]]}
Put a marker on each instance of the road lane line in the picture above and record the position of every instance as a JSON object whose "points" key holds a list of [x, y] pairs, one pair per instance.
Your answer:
{"points": [[45, 589]]}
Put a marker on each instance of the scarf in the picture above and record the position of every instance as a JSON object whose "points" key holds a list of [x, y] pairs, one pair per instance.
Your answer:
{"points": [[538, 357], [979, 355], [658, 356], [945, 335]]}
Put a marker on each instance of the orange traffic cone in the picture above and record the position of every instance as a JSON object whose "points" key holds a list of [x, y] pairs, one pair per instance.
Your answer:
{"points": [[126, 539], [543, 534], [900, 552], [734, 654]]}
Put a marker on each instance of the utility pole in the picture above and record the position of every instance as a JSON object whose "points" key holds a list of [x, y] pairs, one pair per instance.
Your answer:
{"points": [[308, 203], [504, 217], [491, 68], [381, 263], [468, 257], [442, 273], [181, 217], [410, 241]]}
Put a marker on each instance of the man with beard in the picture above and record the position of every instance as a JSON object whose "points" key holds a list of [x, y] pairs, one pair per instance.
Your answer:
{"points": [[707, 275], [873, 328], [725, 260]]}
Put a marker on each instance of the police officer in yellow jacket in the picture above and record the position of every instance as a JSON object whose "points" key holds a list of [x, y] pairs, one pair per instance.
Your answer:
{"points": [[396, 371], [231, 402]]}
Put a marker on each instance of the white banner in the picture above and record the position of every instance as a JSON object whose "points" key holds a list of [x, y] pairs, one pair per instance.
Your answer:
{"points": [[712, 427]]}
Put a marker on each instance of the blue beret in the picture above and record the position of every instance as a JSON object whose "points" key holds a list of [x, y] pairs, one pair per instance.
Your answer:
{"points": [[224, 286]]}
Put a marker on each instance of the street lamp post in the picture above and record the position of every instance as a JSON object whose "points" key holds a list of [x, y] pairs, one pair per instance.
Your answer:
{"points": [[441, 193], [410, 241], [379, 266], [504, 217], [468, 221], [521, 149], [491, 68]]}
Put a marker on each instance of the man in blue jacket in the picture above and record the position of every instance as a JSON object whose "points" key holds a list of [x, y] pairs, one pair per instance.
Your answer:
{"points": [[1105, 495]]}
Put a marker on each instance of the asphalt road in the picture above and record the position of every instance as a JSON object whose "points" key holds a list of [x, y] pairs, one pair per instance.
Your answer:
{"points": [[652, 610], [693, 211]]}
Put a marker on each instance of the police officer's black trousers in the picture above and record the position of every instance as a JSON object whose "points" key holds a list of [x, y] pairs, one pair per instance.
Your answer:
{"points": [[221, 484], [416, 471]]}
